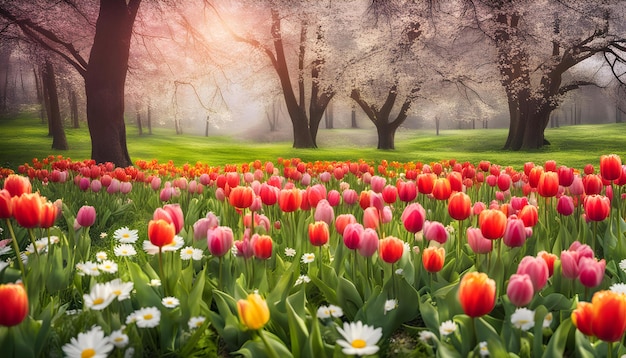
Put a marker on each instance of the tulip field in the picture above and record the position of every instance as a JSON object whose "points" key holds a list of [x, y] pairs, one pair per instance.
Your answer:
{"points": [[288, 258]]}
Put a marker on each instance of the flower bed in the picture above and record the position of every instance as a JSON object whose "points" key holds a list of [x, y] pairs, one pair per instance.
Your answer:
{"points": [[313, 259]]}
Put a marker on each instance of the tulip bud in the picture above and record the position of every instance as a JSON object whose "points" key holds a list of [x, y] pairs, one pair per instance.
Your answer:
{"points": [[253, 311], [14, 304], [86, 216], [520, 290]]}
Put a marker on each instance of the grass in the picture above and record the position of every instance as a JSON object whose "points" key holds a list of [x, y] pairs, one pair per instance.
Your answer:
{"points": [[23, 137]]}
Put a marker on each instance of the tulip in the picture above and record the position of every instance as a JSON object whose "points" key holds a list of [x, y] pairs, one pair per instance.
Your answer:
{"points": [[86, 216], [536, 268], [441, 189], [289, 200], [253, 311], [492, 223], [569, 264], [369, 243], [514, 233], [477, 241], [597, 207], [350, 196], [548, 185], [114, 186], [566, 176], [241, 197], [435, 231], [534, 176], [390, 194], [176, 215], [529, 215], [549, 258], [592, 184], [413, 217], [477, 294], [14, 304], [610, 167], [604, 317], [377, 183], [268, 194], [365, 199], [324, 212], [504, 182], [316, 193], [407, 191], [425, 183], [261, 246], [342, 221], [459, 206], [456, 181], [220, 240], [591, 271], [565, 205], [520, 290], [318, 233], [433, 258], [6, 207], [386, 215], [161, 232], [84, 184], [304, 204], [390, 249], [371, 217], [27, 209], [352, 235], [334, 198], [17, 185]]}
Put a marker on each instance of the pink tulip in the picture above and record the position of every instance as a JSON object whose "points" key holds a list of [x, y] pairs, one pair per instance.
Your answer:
{"points": [[126, 187], [569, 264], [96, 185], [352, 235], [324, 212], [413, 217], [201, 227], [591, 271], [350, 196], [565, 205], [378, 183], [244, 248], [371, 218], [369, 243], [219, 240], [435, 231], [520, 290], [86, 216], [477, 242], [334, 198], [536, 268], [114, 186], [515, 232], [84, 183]]}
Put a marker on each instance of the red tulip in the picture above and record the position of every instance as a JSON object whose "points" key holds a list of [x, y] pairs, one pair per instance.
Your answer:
{"points": [[161, 232], [289, 200], [433, 258], [534, 175], [14, 304], [6, 207], [548, 185], [425, 183], [459, 206], [413, 217], [241, 197], [566, 176], [364, 199], [390, 249], [504, 182], [492, 223], [592, 184], [550, 165], [529, 215], [520, 290], [390, 194], [220, 240], [17, 185], [597, 207], [261, 246], [27, 209], [352, 235], [316, 193], [565, 205], [318, 233], [407, 191], [441, 189], [610, 166], [477, 294], [268, 194]]}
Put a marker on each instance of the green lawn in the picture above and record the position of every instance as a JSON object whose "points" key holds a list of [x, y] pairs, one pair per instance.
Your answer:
{"points": [[24, 137]]}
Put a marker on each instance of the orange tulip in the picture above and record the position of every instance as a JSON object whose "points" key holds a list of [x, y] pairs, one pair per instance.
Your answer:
{"points": [[433, 258], [318, 233], [289, 200], [48, 215], [425, 183], [261, 246], [14, 304], [442, 189], [161, 232], [529, 215], [241, 197], [492, 223], [17, 185], [604, 317], [477, 294], [390, 249], [548, 185], [459, 206], [27, 209]]}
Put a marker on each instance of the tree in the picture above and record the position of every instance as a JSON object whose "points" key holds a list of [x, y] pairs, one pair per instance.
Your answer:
{"points": [[105, 70], [55, 124], [538, 44]]}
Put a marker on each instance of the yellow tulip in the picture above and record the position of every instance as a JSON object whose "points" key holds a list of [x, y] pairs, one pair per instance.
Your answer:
{"points": [[253, 311]]}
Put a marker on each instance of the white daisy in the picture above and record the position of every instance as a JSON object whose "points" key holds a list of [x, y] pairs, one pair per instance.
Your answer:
{"points": [[196, 322], [170, 302], [302, 279], [126, 236], [101, 256], [119, 338], [89, 344], [483, 350], [131, 318], [359, 339], [125, 250], [197, 254], [323, 312], [103, 235], [618, 287], [108, 266], [426, 336], [289, 252], [186, 253], [523, 318], [152, 249], [447, 328], [547, 320], [120, 289], [308, 258], [155, 282], [72, 312], [622, 265], [147, 317], [390, 305], [399, 272], [335, 311], [88, 268], [99, 297]]}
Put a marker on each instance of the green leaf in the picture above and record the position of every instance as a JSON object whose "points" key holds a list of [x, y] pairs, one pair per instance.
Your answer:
{"points": [[349, 297], [297, 327], [559, 341]]}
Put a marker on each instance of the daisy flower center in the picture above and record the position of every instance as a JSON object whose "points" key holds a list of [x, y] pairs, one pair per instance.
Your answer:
{"points": [[147, 317], [87, 353], [117, 292], [97, 301], [358, 343]]}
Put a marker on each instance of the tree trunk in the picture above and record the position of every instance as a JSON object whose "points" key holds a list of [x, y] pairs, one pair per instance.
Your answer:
{"points": [[54, 114], [386, 137], [329, 117], [46, 101], [74, 109], [139, 127], [206, 127], [353, 118], [105, 80], [436, 126], [149, 119]]}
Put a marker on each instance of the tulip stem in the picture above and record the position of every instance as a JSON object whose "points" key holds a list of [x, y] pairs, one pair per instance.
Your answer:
{"points": [[609, 350], [32, 240], [16, 248], [219, 283], [161, 272], [270, 350]]}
